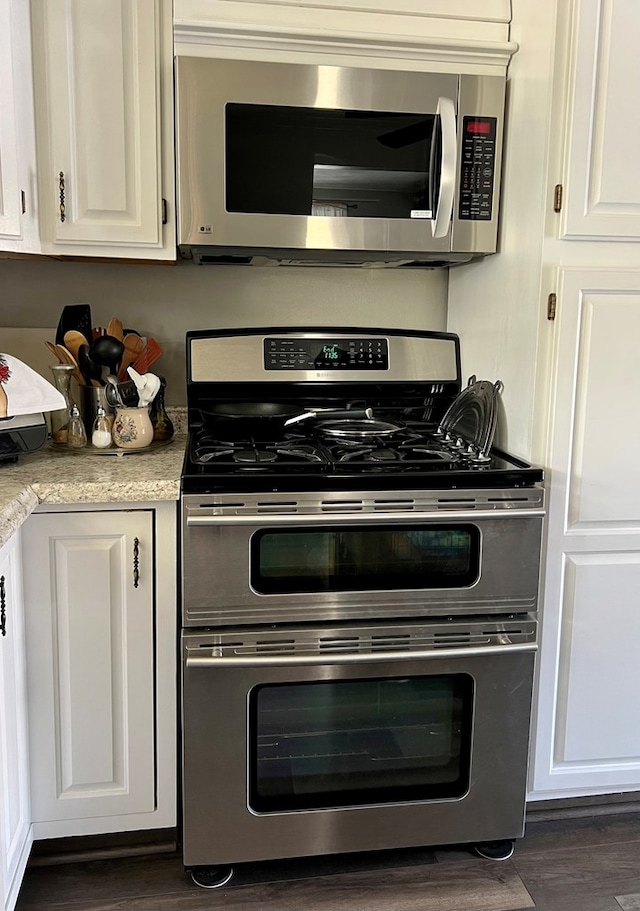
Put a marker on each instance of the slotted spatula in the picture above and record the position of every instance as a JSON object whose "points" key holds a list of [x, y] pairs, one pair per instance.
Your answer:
{"points": [[148, 356]]}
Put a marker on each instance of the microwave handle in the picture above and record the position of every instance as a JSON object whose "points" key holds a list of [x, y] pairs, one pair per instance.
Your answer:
{"points": [[447, 113]]}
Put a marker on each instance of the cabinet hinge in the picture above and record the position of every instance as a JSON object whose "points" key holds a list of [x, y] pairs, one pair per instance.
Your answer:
{"points": [[23, 202], [164, 211], [557, 198], [552, 301]]}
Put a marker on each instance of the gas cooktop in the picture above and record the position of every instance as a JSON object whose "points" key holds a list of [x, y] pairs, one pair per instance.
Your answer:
{"points": [[259, 415], [413, 456]]}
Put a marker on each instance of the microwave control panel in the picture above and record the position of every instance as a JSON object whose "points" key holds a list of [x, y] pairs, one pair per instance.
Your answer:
{"points": [[477, 168]]}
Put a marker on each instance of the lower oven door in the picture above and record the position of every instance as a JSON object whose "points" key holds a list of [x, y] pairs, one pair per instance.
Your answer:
{"points": [[325, 741]]}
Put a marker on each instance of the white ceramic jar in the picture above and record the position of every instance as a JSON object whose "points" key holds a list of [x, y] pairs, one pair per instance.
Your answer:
{"points": [[132, 428]]}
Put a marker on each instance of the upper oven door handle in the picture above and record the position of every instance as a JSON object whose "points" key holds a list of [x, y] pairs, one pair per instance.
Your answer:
{"points": [[253, 660], [355, 518]]}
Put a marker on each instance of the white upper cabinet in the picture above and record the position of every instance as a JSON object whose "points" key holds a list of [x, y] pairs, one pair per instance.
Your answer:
{"points": [[104, 125], [18, 201], [449, 35], [601, 174]]}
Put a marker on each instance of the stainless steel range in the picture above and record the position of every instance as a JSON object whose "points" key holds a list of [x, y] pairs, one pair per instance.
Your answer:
{"points": [[359, 595]]}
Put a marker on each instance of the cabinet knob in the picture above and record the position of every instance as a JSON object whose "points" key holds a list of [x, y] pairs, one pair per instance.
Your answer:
{"points": [[3, 608], [136, 562]]}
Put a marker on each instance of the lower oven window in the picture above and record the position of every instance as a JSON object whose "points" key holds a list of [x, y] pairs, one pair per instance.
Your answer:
{"points": [[383, 558], [349, 743]]}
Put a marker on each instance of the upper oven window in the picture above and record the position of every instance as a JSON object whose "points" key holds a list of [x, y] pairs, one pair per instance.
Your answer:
{"points": [[346, 559], [310, 161]]}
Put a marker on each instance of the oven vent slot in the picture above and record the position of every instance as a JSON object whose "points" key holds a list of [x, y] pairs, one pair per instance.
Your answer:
{"points": [[277, 645], [222, 506], [389, 642], [341, 505], [340, 642], [399, 504], [282, 507]]}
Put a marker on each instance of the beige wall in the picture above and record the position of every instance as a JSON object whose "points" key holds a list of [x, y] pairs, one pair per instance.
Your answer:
{"points": [[166, 301]]}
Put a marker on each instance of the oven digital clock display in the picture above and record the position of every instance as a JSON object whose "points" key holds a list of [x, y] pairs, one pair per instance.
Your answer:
{"points": [[326, 354]]}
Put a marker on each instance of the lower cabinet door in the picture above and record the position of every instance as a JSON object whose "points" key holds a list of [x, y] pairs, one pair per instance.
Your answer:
{"points": [[15, 823], [89, 594]]}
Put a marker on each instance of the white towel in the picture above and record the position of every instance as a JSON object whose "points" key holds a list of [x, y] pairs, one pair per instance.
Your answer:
{"points": [[23, 391]]}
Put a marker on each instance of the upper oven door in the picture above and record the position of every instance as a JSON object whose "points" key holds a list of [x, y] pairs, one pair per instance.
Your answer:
{"points": [[300, 157], [279, 568]]}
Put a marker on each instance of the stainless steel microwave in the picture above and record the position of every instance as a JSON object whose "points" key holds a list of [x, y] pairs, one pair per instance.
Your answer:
{"points": [[293, 163]]}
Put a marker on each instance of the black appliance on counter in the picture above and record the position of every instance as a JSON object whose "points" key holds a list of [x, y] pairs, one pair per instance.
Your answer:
{"points": [[23, 433], [359, 582]]}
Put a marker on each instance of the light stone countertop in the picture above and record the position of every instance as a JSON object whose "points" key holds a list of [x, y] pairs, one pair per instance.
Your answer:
{"points": [[61, 476]]}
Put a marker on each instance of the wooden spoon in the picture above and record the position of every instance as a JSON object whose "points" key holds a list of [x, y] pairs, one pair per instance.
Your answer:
{"points": [[133, 345], [65, 357], [115, 329], [72, 341]]}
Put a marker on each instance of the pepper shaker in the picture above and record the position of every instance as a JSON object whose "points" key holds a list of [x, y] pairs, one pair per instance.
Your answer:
{"points": [[76, 435]]}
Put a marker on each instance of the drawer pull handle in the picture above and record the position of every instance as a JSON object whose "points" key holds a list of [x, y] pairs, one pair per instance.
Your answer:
{"points": [[136, 562]]}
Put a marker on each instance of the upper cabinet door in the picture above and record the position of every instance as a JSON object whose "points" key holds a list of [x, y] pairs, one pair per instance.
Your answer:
{"points": [[602, 178], [104, 124], [18, 209]]}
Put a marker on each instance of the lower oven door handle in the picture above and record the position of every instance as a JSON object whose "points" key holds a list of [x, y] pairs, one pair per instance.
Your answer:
{"points": [[331, 518], [262, 660]]}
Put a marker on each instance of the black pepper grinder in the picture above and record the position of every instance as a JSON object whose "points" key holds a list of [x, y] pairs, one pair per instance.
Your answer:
{"points": [[160, 421]]}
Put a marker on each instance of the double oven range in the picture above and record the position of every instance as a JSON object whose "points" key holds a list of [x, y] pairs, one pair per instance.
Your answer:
{"points": [[359, 601]]}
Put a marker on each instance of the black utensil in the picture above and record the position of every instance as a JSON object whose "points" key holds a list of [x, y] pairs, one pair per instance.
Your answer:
{"points": [[107, 350], [74, 316], [91, 371]]}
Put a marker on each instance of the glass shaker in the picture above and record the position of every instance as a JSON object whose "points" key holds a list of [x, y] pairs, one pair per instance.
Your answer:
{"points": [[101, 432], [60, 419], [77, 435]]}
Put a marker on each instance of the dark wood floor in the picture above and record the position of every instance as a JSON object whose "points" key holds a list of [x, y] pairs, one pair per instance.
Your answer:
{"points": [[586, 864]]}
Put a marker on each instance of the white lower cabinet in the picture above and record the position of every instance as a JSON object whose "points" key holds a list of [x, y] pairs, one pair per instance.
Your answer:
{"points": [[100, 609], [15, 826]]}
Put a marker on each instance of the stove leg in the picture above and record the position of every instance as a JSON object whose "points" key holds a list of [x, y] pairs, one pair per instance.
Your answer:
{"points": [[495, 850], [211, 877]]}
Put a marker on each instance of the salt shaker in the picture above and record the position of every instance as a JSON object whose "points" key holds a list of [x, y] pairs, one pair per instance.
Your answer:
{"points": [[101, 432], [76, 435]]}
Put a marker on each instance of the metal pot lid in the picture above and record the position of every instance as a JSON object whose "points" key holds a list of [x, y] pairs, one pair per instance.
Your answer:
{"points": [[472, 417], [369, 427]]}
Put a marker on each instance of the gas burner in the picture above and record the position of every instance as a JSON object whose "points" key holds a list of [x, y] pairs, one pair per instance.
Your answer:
{"points": [[254, 456], [381, 455]]}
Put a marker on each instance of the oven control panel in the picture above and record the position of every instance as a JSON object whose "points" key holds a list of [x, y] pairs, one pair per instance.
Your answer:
{"points": [[326, 354]]}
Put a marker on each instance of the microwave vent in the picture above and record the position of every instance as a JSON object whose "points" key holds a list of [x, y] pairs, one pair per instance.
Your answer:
{"points": [[211, 255]]}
